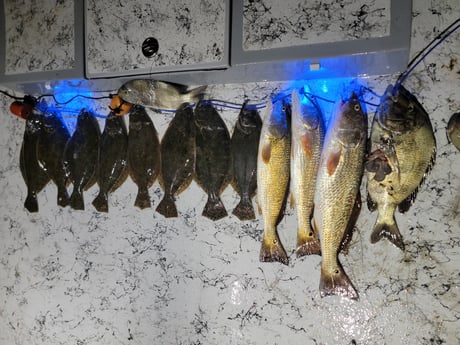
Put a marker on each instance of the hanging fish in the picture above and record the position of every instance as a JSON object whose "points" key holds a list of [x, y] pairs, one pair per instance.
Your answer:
{"points": [[273, 170], [307, 141], [159, 94], [143, 154], [244, 148], [112, 160], [177, 159], [337, 189], [453, 130], [403, 151], [213, 158], [33, 173], [80, 157], [51, 144]]}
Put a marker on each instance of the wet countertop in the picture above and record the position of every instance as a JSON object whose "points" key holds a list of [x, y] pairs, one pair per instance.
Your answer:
{"points": [[134, 277]]}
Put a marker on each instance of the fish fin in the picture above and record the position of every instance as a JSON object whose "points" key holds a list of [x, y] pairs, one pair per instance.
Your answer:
{"points": [[266, 151], [307, 244], [31, 203], [76, 200], [62, 197], [214, 208], [167, 207], [336, 283], [333, 161], [292, 200], [142, 199], [390, 232], [351, 226], [101, 202], [306, 145], [196, 94], [371, 204], [273, 251], [244, 210]]}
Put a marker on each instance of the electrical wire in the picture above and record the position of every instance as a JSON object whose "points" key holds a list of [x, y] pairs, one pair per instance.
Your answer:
{"points": [[425, 51]]}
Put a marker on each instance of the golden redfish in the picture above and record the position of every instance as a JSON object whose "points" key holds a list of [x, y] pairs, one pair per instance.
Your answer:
{"points": [[337, 188]]}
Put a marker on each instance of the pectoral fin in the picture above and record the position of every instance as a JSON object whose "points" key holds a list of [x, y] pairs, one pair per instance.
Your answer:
{"points": [[306, 145], [333, 161], [266, 151]]}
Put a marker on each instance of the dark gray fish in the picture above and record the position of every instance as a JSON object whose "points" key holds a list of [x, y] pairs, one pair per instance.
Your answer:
{"points": [[178, 159], [143, 154], [80, 157], [32, 172], [453, 130], [213, 158], [158, 94], [51, 144], [244, 149], [112, 162]]}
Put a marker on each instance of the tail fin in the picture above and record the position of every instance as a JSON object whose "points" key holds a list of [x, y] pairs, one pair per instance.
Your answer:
{"points": [[336, 283], [62, 197], [273, 251], [101, 202], [76, 199], [388, 230], [244, 210], [214, 208], [196, 94], [31, 203], [142, 199], [307, 244], [167, 207]]}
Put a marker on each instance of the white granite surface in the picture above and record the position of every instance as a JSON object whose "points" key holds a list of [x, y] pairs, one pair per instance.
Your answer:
{"points": [[134, 277], [39, 45], [275, 24], [189, 32]]}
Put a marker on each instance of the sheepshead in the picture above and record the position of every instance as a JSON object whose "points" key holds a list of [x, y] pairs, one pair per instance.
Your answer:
{"points": [[337, 189], [453, 130], [213, 158], [51, 144], [244, 147], [307, 141], [177, 159], [273, 170], [402, 152], [80, 157], [112, 162], [159, 94], [33, 173], [143, 154]]}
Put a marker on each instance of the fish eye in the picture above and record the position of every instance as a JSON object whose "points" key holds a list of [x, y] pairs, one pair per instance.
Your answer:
{"points": [[357, 107], [410, 107]]}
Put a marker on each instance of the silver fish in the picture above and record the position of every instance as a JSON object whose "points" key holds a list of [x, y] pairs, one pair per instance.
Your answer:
{"points": [[159, 94]]}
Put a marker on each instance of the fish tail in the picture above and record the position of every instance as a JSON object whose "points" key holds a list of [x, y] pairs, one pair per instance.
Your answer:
{"points": [[336, 283], [62, 197], [244, 210], [214, 208], [167, 207], [142, 199], [307, 244], [31, 203], [101, 202], [272, 251], [76, 199], [390, 231], [196, 94]]}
